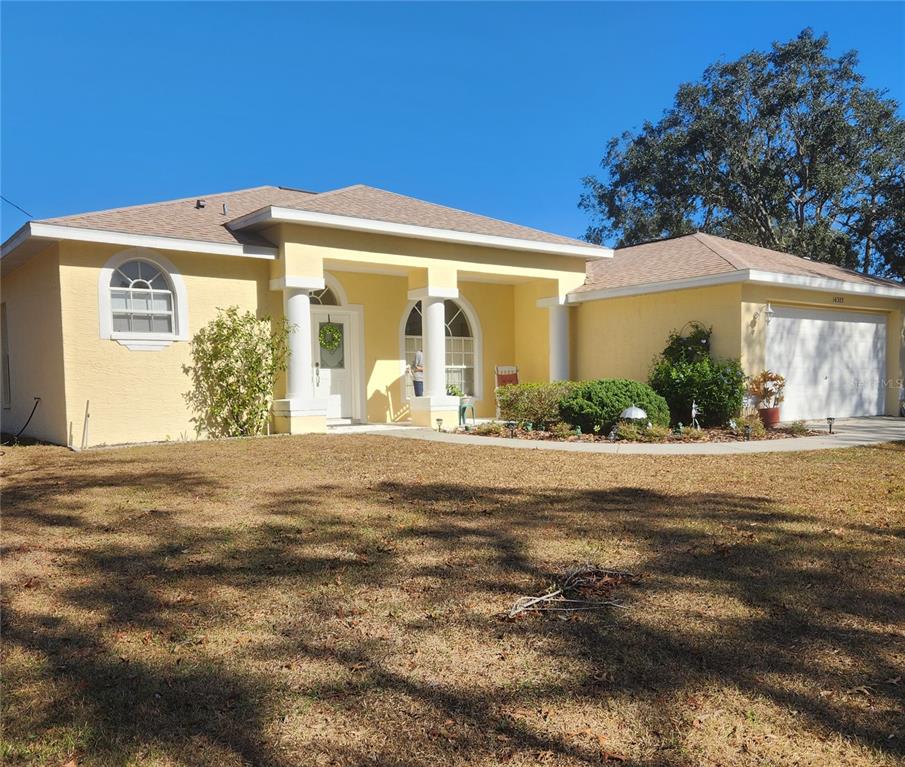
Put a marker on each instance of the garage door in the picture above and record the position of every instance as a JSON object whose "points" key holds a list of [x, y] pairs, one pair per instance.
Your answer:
{"points": [[834, 361]]}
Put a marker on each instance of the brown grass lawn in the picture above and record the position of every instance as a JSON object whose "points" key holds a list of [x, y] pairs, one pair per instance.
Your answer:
{"points": [[337, 600]]}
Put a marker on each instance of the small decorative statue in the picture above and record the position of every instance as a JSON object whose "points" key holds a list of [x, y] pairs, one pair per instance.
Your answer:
{"points": [[695, 412]]}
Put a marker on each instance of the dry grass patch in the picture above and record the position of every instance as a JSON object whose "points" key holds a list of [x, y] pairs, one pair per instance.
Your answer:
{"points": [[337, 600]]}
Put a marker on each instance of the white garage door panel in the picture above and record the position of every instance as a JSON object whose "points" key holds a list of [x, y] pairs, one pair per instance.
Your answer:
{"points": [[834, 361]]}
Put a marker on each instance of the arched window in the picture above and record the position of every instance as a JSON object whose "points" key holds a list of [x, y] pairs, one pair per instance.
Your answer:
{"points": [[460, 344], [323, 297], [141, 299]]}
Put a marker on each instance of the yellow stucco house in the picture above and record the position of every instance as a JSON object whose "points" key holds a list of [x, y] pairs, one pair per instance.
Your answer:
{"points": [[98, 310]]}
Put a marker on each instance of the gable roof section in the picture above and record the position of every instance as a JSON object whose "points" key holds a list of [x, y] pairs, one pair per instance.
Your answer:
{"points": [[372, 204], [706, 259], [235, 227]]}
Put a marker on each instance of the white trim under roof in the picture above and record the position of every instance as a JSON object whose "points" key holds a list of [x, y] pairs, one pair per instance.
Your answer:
{"points": [[822, 284], [273, 215], [38, 231]]}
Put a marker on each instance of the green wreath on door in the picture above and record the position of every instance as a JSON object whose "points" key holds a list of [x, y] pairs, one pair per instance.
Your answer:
{"points": [[330, 336]]}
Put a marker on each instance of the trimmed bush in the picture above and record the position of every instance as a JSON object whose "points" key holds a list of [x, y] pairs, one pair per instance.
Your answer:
{"points": [[758, 431], [636, 432], [534, 403], [488, 429], [595, 405], [718, 388]]}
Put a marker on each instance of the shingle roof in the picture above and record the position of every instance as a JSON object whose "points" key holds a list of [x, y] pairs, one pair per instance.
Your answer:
{"points": [[182, 219], [702, 255], [367, 202]]}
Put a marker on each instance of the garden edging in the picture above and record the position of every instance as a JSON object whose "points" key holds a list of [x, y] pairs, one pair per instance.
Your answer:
{"points": [[851, 432]]}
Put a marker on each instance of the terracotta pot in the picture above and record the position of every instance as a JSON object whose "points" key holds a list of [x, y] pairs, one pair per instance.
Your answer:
{"points": [[769, 416]]}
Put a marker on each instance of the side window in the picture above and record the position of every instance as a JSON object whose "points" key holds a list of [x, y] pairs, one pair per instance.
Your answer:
{"points": [[141, 299]]}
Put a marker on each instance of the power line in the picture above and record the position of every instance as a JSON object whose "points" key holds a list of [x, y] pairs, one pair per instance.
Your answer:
{"points": [[17, 207]]}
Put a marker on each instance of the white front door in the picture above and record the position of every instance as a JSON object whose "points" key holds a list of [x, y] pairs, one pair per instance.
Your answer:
{"points": [[333, 361], [834, 362]]}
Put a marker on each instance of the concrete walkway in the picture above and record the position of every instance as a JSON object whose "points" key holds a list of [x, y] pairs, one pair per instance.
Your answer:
{"points": [[848, 432]]}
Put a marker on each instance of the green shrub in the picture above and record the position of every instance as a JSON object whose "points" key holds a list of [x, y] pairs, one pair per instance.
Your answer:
{"points": [[628, 430], [798, 429], [235, 361], [688, 348], [641, 432], [595, 405], [693, 435], [535, 403], [488, 429], [758, 431], [561, 430], [717, 386], [656, 433]]}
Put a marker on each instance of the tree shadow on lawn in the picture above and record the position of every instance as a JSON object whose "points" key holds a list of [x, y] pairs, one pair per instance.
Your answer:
{"points": [[165, 689]]}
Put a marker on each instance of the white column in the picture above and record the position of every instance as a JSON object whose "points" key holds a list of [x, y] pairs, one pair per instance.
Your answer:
{"points": [[433, 327], [297, 308], [559, 343]]}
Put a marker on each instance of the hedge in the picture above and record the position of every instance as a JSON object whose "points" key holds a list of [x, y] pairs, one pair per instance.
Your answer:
{"points": [[717, 387], [534, 403], [595, 406]]}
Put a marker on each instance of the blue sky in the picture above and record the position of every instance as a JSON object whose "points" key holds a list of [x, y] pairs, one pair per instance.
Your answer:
{"points": [[495, 108]]}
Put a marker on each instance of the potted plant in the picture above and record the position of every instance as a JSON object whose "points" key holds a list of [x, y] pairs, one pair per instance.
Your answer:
{"points": [[454, 391], [767, 388]]}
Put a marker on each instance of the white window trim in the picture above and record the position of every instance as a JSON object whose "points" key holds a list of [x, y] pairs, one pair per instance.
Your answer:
{"points": [[478, 339], [334, 284], [142, 341]]}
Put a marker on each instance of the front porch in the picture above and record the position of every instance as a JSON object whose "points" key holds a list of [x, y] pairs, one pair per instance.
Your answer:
{"points": [[358, 325]]}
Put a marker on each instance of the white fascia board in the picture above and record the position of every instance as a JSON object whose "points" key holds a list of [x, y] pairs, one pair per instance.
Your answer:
{"points": [[757, 276], [659, 287], [40, 231], [273, 215], [16, 240], [824, 284]]}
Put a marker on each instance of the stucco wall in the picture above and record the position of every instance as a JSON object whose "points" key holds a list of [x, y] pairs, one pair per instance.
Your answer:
{"points": [[34, 330], [532, 334], [494, 305], [384, 299], [138, 395], [753, 335], [619, 337]]}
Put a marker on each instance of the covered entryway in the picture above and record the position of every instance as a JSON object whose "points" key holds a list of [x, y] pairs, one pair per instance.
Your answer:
{"points": [[336, 338], [834, 361]]}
